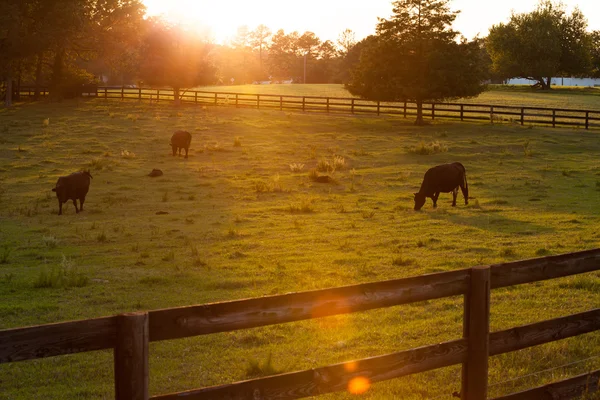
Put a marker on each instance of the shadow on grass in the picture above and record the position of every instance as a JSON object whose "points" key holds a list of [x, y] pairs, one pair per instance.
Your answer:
{"points": [[495, 223]]}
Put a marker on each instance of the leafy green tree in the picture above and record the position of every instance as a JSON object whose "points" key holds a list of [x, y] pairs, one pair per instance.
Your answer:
{"points": [[175, 58], [414, 57], [595, 53], [541, 44]]}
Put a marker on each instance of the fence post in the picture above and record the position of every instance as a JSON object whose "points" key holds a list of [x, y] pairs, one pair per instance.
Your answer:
{"points": [[378, 105], [553, 118], [131, 357], [462, 110], [587, 120], [236, 100], [476, 328], [280, 103], [522, 115], [258, 101], [352, 107], [195, 97], [432, 111], [140, 94], [328, 105], [105, 92], [215, 99], [405, 109], [303, 102], [157, 95], [492, 114], [122, 92]]}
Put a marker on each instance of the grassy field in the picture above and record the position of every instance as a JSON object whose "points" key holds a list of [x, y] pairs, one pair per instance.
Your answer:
{"points": [[241, 218]]}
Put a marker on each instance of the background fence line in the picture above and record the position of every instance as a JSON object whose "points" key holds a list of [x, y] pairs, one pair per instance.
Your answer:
{"points": [[129, 334], [555, 117]]}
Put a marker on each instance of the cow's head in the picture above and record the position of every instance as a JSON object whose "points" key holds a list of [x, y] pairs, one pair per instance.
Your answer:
{"points": [[419, 201]]}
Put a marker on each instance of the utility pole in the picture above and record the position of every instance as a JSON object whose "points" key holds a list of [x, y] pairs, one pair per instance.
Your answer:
{"points": [[305, 54]]}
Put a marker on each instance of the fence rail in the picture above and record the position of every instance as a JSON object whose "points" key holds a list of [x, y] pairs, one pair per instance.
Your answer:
{"points": [[555, 117], [129, 334]]}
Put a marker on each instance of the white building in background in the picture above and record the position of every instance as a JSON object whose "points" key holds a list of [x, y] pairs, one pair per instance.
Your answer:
{"points": [[559, 81]]}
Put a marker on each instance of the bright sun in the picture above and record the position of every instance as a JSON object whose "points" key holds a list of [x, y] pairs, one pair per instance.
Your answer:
{"points": [[220, 19]]}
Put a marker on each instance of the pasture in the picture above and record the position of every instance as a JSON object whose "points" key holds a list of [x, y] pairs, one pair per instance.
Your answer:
{"points": [[242, 218]]}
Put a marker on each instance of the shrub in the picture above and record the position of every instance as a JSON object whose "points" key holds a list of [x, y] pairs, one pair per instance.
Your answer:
{"points": [[5, 254], [50, 241], [428, 149], [255, 368], [302, 207], [296, 167], [65, 275]]}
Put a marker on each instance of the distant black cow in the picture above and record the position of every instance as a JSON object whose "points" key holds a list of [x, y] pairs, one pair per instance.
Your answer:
{"points": [[443, 178], [72, 187], [181, 140]]}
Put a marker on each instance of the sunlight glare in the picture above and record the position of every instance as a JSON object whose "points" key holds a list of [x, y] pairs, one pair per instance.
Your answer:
{"points": [[358, 385]]}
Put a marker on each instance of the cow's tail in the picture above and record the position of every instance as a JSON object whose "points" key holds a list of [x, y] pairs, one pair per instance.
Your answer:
{"points": [[466, 190]]}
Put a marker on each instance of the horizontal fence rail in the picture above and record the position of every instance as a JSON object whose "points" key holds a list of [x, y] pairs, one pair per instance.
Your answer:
{"points": [[555, 117], [129, 334]]}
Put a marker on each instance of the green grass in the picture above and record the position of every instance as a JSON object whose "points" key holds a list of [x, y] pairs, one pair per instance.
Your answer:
{"points": [[234, 222]]}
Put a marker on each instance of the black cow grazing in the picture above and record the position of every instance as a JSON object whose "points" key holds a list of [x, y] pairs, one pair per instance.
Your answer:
{"points": [[73, 187], [443, 178], [181, 140]]}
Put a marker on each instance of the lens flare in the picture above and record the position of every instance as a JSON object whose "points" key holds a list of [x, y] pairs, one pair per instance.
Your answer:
{"points": [[359, 385], [351, 366]]}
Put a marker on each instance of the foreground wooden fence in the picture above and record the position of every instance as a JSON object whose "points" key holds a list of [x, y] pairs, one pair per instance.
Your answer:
{"points": [[465, 112], [129, 334]]}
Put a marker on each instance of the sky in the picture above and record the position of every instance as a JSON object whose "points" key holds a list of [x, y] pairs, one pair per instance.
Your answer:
{"points": [[328, 18]]}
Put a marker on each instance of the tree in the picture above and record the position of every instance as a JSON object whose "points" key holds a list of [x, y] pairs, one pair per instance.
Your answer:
{"points": [[346, 41], [283, 54], [258, 40], [541, 44], [175, 58], [595, 54], [414, 57]]}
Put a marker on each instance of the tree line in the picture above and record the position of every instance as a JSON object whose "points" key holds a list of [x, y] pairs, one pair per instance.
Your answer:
{"points": [[415, 55]]}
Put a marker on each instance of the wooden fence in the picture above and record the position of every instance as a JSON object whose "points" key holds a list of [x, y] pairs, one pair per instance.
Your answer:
{"points": [[129, 334], [555, 117]]}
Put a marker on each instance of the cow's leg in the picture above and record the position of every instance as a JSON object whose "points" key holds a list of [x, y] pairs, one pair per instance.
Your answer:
{"points": [[174, 150], [454, 194], [81, 200], [59, 207], [465, 192], [186, 152], [75, 204], [434, 198]]}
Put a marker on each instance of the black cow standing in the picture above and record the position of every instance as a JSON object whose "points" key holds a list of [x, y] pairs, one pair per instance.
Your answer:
{"points": [[181, 140], [72, 187], [443, 178]]}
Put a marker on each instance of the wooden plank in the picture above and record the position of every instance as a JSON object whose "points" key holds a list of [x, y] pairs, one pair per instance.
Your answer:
{"points": [[57, 339], [475, 370], [538, 269], [544, 332], [334, 378], [571, 388], [241, 314], [131, 357]]}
